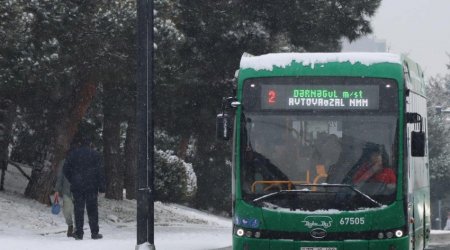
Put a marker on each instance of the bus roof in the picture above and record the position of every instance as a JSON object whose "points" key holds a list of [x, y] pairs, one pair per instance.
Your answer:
{"points": [[282, 60]]}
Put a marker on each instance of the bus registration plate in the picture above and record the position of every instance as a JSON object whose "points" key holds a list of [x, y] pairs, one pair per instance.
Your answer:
{"points": [[318, 248]]}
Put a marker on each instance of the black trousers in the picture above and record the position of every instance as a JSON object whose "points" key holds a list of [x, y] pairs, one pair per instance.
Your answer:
{"points": [[88, 200]]}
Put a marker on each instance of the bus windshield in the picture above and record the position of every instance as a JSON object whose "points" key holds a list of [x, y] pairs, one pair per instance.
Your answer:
{"points": [[317, 158]]}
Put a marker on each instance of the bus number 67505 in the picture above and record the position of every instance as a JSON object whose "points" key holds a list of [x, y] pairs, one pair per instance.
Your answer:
{"points": [[352, 221]]}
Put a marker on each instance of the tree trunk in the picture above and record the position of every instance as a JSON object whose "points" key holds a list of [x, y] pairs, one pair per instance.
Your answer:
{"points": [[111, 154], [131, 151], [7, 111], [43, 177], [111, 143], [182, 147]]}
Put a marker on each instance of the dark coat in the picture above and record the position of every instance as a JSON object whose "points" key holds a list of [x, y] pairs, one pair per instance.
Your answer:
{"points": [[83, 168]]}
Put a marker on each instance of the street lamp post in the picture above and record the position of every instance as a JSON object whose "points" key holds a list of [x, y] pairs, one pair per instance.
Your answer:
{"points": [[144, 114]]}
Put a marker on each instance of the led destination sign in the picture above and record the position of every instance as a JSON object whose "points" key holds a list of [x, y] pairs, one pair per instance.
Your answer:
{"points": [[307, 97]]}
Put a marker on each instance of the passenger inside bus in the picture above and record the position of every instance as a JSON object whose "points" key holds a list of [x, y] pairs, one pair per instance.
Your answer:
{"points": [[371, 174], [328, 149], [259, 170], [286, 155]]}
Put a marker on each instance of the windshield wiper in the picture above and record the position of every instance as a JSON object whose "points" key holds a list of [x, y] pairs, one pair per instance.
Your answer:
{"points": [[283, 192], [277, 193], [353, 188], [364, 195]]}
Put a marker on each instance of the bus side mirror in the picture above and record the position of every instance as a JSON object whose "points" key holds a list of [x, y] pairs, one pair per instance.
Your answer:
{"points": [[224, 128], [417, 144], [417, 137]]}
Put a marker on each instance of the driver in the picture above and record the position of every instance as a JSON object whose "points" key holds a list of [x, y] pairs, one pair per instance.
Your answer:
{"points": [[372, 169]]}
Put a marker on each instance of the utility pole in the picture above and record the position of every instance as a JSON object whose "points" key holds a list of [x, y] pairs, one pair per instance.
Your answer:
{"points": [[144, 113]]}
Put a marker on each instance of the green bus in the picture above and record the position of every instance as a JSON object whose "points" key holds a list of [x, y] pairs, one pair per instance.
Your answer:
{"points": [[329, 152]]}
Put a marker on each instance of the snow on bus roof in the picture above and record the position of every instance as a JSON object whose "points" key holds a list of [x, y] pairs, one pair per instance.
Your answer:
{"points": [[282, 60]]}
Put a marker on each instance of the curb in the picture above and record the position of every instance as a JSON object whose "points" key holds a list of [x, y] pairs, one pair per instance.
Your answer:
{"points": [[440, 237]]}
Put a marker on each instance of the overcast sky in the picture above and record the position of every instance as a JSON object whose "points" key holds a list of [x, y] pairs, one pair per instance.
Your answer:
{"points": [[420, 28]]}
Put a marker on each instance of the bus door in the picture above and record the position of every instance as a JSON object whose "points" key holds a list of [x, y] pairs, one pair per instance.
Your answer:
{"points": [[416, 200], [410, 196]]}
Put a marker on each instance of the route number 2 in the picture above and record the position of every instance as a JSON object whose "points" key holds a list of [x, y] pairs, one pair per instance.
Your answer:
{"points": [[272, 97]]}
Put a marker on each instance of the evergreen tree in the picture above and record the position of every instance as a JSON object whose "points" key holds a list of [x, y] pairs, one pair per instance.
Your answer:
{"points": [[438, 92], [55, 52], [115, 22], [47, 73]]}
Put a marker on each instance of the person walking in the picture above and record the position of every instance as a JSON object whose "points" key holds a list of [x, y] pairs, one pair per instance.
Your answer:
{"points": [[62, 190], [447, 224], [83, 168]]}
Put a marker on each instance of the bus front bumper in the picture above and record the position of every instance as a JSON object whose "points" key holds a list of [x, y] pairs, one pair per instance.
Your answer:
{"points": [[242, 243]]}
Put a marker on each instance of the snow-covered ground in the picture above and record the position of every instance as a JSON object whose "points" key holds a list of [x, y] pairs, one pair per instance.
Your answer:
{"points": [[26, 224]]}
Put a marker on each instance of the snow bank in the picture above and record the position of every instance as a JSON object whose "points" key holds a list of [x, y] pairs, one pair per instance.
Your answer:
{"points": [[282, 60], [27, 224]]}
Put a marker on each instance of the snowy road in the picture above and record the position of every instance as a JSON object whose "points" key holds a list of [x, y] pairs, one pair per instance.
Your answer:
{"points": [[192, 238], [166, 238]]}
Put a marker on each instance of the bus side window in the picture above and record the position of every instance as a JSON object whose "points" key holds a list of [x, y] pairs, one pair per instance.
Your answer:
{"points": [[418, 143]]}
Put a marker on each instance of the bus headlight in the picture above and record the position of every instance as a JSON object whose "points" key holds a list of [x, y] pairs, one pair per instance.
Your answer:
{"points": [[389, 235], [240, 232], [397, 233]]}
